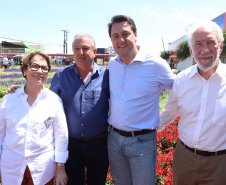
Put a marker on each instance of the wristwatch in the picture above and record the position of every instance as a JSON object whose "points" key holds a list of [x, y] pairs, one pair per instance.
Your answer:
{"points": [[60, 164]]}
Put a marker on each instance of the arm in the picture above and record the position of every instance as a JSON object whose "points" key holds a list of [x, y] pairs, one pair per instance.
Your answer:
{"points": [[55, 84], [171, 109], [2, 127], [61, 144], [166, 76], [12, 89]]}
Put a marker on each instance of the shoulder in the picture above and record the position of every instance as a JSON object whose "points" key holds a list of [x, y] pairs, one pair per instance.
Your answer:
{"points": [[100, 69], [52, 96], [11, 97], [185, 74], [155, 59], [188, 71], [64, 71], [113, 60]]}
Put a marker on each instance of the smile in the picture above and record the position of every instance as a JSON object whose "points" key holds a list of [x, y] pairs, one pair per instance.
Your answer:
{"points": [[39, 77], [122, 46]]}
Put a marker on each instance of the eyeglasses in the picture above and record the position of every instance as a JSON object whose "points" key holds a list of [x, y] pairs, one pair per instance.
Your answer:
{"points": [[35, 67]]}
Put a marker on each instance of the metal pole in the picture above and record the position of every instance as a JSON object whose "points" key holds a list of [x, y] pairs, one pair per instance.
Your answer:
{"points": [[65, 40], [163, 44]]}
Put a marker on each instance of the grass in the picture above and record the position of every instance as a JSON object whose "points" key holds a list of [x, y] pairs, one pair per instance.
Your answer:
{"points": [[163, 99]]}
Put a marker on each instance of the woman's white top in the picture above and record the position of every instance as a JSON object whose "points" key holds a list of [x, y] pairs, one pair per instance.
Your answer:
{"points": [[35, 135]]}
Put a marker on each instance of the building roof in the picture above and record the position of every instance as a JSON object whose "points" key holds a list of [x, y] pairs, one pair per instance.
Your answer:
{"points": [[12, 44]]}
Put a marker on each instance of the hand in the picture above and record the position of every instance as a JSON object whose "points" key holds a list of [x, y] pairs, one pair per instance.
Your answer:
{"points": [[60, 176], [12, 89]]}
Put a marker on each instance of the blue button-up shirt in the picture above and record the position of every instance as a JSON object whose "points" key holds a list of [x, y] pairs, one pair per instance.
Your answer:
{"points": [[135, 90], [85, 105]]}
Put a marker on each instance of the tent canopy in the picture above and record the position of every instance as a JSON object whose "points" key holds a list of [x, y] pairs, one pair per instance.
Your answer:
{"points": [[12, 44]]}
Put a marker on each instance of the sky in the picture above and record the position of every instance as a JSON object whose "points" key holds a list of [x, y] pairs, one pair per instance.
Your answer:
{"points": [[158, 22]]}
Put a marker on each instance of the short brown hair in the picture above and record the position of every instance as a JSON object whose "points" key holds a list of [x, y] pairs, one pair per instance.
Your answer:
{"points": [[122, 18], [28, 56]]}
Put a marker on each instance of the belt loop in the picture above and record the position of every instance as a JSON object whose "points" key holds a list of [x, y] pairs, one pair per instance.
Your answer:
{"points": [[112, 128], [215, 153], [195, 151], [133, 134]]}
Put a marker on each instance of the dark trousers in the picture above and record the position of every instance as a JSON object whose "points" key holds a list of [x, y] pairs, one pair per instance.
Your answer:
{"points": [[90, 154]]}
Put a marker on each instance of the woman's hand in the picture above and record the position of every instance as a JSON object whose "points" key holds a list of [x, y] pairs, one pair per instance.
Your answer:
{"points": [[60, 176]]}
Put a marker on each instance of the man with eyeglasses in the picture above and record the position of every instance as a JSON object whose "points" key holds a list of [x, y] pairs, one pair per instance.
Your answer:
{"points": [[84, 90]]}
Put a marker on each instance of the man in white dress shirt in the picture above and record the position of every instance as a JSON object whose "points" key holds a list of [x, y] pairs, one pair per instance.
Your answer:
{"points": [[199, 98]]}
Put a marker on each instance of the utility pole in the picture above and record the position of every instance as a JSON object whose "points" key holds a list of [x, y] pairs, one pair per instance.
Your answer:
{"points": [[65, 40], [163, 44]]}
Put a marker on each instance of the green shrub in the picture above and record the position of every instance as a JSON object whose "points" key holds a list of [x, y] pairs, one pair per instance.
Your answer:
{"points": [[2, 93]]}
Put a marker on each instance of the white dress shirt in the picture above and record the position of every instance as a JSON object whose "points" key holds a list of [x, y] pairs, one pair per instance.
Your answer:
{"points": [[135, 90], [36, 136], [201, 105]]}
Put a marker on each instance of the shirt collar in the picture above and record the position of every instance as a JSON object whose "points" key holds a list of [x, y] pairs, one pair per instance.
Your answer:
{"points": [[21, 90], [96, 68], [220, 70], [194, 70], [140, 57]]}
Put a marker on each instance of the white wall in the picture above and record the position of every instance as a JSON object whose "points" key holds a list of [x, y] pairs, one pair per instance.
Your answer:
{"points": [[185, 64]]}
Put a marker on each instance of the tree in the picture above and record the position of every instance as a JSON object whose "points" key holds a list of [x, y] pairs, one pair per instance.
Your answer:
{"points": [[224, 43], [165, 55], [182, 51]]}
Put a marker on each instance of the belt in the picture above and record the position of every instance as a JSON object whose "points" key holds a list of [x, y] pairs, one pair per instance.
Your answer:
{"points": [[90, 139], [204, 153], [133, 133]]}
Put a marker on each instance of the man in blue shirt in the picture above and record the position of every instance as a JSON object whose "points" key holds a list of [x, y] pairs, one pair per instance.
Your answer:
{"points": [[135, 80], [84, 90]]}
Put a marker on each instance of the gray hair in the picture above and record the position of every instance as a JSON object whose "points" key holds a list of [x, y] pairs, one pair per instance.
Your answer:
{"points": [[206, 24], [81, 35]]}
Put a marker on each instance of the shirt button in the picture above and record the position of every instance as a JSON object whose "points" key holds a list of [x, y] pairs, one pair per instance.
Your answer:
{"points": [[83, 112], [82, 134], [82, 125], [84, 100]]}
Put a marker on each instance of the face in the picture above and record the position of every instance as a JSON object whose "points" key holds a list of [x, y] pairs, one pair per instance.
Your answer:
{"points": [[206, 48], [36, 77], [83, 50], [124, 40]]}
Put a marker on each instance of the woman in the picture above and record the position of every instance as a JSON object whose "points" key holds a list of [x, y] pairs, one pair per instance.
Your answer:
{"points": [[33, 129]]}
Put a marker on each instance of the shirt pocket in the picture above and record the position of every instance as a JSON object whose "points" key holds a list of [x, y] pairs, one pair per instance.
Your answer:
{"points": [[42, 131], [95, 99], [220, 113]]}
